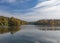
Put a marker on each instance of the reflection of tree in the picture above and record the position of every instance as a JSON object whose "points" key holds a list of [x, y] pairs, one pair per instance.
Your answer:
{"points": [[12, 30]]}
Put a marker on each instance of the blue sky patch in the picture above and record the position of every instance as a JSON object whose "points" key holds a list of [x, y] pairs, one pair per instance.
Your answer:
{"points": [[19, 5], [30, 10]]}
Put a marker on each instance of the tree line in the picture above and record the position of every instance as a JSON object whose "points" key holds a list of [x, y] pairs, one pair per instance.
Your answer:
{"points": [[54, 22], [6, 21]]}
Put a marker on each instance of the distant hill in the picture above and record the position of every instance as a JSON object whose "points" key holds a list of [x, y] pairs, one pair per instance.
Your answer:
{"points": [[50, 22]]}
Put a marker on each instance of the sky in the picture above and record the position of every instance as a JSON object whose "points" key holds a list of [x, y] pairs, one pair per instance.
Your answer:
{"points": [[30, 10]]}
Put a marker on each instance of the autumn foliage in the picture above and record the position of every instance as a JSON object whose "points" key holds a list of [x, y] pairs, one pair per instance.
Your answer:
{"points": [[6, 21]]}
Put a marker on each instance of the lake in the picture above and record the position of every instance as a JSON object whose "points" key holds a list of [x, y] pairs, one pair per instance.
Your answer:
{"points": [[29, 34]]}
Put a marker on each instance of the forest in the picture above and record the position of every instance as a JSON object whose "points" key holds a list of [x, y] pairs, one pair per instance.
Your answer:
{"points": [[49, 22], [11, 21]]}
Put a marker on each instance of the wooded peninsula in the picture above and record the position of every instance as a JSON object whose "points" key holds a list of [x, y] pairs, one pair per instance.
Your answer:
{"points": [[6, 21]]}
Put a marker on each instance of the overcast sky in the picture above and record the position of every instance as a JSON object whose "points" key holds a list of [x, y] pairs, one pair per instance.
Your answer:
{"points": [[30, 10]]}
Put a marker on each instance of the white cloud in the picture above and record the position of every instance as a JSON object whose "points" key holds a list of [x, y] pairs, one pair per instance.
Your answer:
{"points": [[48, 3], [50, 10]]}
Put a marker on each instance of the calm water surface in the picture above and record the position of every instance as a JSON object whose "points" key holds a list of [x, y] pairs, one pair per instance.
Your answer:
{"points": [[30, 34]]}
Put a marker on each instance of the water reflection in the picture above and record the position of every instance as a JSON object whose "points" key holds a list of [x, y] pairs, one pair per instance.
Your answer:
{"points": [[48, 27], [11, 29], [29, 34]]}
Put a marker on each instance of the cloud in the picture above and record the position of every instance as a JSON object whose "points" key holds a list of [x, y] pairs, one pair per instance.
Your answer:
{"points": [[46, 10], [48, 3], [49, 9]]}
